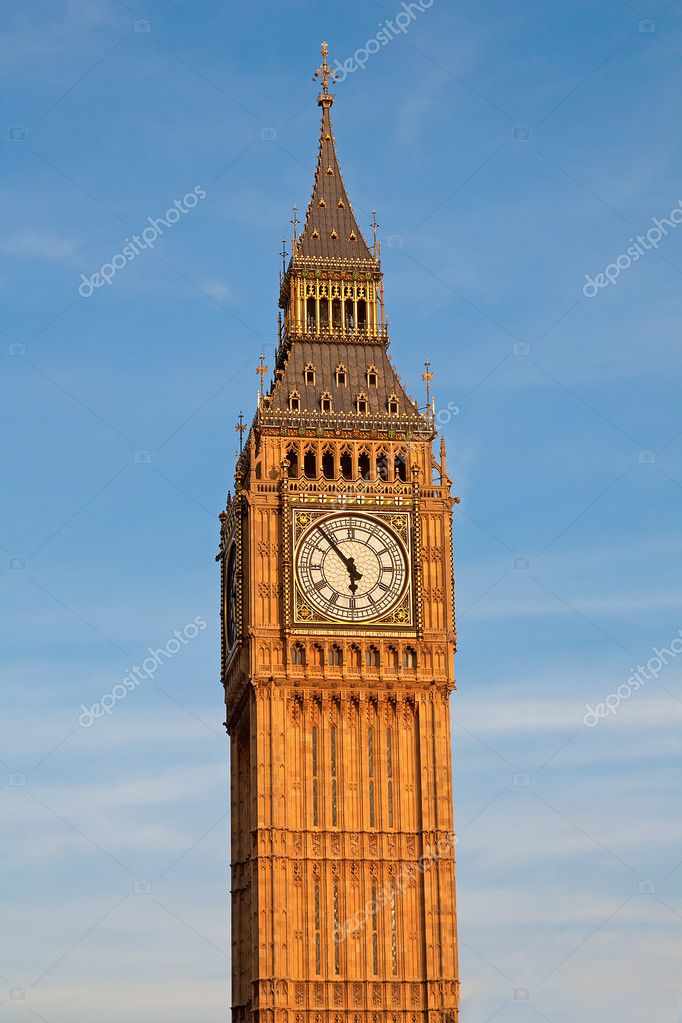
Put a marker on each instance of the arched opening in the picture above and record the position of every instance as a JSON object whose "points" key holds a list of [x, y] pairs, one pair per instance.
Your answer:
{"points": [[372, 657], [362, 314], [310, 314], [382, 466], [328, 465], [297, 654], [364, 465], [346, 464], [335, 656], [350, 315], [310, 465], [324, 313], [294, 402], [292, 463], [392, 658], [336, 312], [310, 375], [409, 657], [400, 467]]}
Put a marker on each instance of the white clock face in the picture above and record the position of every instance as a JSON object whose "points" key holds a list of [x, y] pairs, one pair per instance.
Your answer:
{"points": [[351, 567]]}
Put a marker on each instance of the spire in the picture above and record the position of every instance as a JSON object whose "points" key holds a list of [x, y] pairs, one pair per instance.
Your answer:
{"points": [[331, 230]]}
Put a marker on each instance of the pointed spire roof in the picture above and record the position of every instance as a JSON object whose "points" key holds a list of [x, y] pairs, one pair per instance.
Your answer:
{"points": [[331, 230]]}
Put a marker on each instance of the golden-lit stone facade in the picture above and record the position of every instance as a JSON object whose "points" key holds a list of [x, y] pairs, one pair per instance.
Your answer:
{"points": [[338, 640]]}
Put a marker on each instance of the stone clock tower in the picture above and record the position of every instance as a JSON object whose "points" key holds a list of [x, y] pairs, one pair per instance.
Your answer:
{"points": [[338, 639]]}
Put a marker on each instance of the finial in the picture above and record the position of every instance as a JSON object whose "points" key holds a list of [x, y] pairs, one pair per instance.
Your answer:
{"points": [[283, 254], [427, 377], [294, 221], [375, 225], [261, 369], [240, 427], [325, 74]]}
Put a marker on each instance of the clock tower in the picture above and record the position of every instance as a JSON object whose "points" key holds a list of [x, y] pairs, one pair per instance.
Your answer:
{"points": [[338, 638]]}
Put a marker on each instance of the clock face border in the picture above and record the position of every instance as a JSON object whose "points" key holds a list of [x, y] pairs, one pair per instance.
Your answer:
{"points": [[399, 618], [230, 598], [232, 550]]}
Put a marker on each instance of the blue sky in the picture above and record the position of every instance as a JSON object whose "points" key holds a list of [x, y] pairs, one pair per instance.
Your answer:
{"points": [[510, 149]]}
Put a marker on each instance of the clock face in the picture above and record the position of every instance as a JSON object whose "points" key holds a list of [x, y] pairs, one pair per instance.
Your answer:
{"points": [[351, 568], [231, 598]]}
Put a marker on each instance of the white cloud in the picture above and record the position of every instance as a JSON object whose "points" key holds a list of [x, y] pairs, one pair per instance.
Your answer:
{"points": [[38, 245]]}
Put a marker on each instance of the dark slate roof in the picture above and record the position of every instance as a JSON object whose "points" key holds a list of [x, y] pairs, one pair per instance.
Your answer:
{"points": [[325, 357], [330, 217]]}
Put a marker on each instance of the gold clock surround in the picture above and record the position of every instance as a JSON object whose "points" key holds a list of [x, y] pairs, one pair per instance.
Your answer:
{"points": [[382, 545]]}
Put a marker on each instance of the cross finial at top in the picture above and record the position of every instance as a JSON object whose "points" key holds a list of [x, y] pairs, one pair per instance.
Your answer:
{"points": [[324, 72]]}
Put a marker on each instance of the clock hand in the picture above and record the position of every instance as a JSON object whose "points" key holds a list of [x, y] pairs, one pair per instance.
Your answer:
{"points": [[348, 562]]}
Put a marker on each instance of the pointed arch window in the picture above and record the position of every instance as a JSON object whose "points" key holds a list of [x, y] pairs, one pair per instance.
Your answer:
{"points": [[315, 774], [346, 464], [370, 768], [335, 656], [341, 375], [372, 376], [310, 375], [310, 465], [393, 405], [298, 654], [326, 401], [328, 468], [389, 773], [409, 657], [364, 464], [361, 403], [292, 463], [333, 766], [337, 924], [372, 657], [294, 401], [382, 465], [400, 466], [318, 939], [375, 935]]}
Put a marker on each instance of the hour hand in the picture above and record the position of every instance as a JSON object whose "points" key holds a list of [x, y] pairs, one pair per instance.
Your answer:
{"points": [[348, 562], [354, 575]]}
